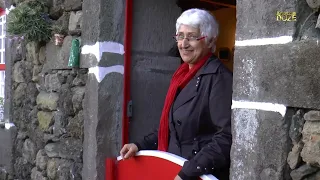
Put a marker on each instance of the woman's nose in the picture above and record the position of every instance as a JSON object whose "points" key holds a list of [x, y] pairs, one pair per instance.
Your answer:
{"points": [[185, 43]]}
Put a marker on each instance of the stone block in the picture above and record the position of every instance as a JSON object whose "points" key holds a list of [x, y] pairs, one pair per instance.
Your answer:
{"points": [[314, 4], [296, 127], [312, 116], [75, 126], [18, 72], [33, 52], [314, 176], [19, 94], [58, 57], [260, 145], [63, 21], [7, 139], [80, 80], [41, 159], [52, 83], [311, 138], [302, 171], [37, 175], [36, 73], [42, 55], [45, 120], [283, 74], [73, 5], [294, 156], [78, 95], [65, 101], [75, 21], [62, 169], [56, 9], [60, 122], [69, 148], [47, 100], [255, 21], [29, 151]]}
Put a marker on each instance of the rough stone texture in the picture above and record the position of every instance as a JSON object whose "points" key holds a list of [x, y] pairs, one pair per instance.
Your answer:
{"points": [[312, 116], [302, 172], [294, 155], [78, 95], [318, 22], [36, 175], [67, 149], [29, 151], [314, 4], [56, 9], [45, 120], [63, 21], [261, 145], [33, 53], [314, 176], [60, 122], [73, 5], [311, 138], [63, 169], [282, 81], [75, 126], [75, 21], [47, 101], [52, 83], [35, 73], [296, 127], [58, 57], [41, 160], [18, 73], [6, 151]]}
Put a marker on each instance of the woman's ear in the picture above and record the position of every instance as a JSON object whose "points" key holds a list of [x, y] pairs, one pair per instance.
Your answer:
{"points": [[211, 42]]}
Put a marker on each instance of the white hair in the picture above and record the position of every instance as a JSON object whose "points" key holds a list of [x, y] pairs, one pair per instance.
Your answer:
{"points": [[201, 19]]}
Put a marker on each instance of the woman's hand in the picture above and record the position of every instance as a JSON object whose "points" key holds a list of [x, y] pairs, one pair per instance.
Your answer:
{"points": [[128, 150], [177, 178]]}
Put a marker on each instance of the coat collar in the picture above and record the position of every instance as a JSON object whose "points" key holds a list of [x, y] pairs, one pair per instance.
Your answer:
{"points": [[210, 67]]}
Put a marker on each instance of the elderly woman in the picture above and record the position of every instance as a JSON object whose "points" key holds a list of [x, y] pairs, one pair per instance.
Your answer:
{"points": [[195, 121]]}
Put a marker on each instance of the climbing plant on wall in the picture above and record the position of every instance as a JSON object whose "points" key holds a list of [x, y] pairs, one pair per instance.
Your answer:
{"points": [[30, 20]]}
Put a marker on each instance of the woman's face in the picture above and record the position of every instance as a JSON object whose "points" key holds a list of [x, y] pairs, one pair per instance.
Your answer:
{"points": [[191, 50]]}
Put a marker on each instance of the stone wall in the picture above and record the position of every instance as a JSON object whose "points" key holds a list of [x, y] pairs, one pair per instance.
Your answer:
{"points": [[275, 71], [47, 98], [304, 159]]}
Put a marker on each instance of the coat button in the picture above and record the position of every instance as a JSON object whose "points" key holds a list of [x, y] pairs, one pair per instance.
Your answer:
{"points": [[195, 139], [179, 122], [178, 145]]}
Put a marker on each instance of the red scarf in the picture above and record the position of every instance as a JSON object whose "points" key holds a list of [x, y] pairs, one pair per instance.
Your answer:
{"points": [[180, 79]]}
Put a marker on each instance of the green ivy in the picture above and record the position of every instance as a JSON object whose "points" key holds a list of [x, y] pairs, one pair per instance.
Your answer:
{"points": [[30, 21]]}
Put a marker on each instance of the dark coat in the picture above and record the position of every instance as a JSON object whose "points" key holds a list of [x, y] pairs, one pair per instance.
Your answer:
{"points": [[200, 123]]}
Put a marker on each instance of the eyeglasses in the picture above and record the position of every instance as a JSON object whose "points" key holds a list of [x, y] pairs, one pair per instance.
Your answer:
{"points": [[179, 38]]}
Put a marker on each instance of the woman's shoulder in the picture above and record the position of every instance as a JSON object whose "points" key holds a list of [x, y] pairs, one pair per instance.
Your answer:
{"points": [[216, 66]]}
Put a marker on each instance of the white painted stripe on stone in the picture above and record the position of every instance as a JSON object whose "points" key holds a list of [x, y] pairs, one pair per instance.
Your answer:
{"points": [[101, 47], [265, 41], [8, 10], [169, 157], [101, 72], [8, 125], [280, 108]]}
